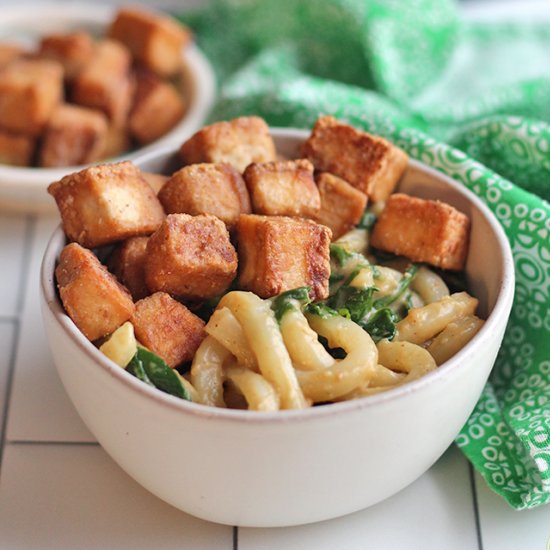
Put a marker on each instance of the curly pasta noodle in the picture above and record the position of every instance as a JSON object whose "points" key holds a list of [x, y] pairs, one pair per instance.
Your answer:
{"points": [[265, 339], [250, 360]]}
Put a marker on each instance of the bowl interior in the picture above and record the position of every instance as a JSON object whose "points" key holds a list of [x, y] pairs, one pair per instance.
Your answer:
{"points": [[24, 188], [489, 267]]}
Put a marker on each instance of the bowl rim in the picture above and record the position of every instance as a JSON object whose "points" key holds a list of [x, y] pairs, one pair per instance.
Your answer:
{"points": [[501, 310], [199, 73]]}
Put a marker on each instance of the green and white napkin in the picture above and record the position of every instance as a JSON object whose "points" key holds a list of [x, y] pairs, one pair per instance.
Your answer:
{"points": [[471, 100]]}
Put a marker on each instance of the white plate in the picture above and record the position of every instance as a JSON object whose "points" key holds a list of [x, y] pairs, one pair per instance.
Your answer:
{"points": [[24, 189]]}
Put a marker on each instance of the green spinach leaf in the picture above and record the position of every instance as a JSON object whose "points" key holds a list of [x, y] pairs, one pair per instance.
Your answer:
{"points": [[286, 301], [381, 325], [151, 369]]}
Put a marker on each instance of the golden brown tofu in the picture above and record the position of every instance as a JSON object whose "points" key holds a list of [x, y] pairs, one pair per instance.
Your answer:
{"points": [[168, 328], [156, 181], [216, 189], [96, 302], [156, 109], [29, 92], [16, 149], [73, 135], [424, 231], [154, 39], [117, 141], [106, 203], [283, 188], [190, 257], [127, 262], [341, 204], [73, 50], [369, 163], [105, 83], [238, 142], [9, 52], [278, 254]]}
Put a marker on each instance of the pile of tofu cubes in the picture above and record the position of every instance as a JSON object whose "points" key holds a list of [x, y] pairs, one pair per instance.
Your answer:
{"points": [[236, 215], [77, 99]]}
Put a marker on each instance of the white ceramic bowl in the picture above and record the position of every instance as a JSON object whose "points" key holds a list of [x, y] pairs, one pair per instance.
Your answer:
{"points": [[24, 189], [290, 467]]}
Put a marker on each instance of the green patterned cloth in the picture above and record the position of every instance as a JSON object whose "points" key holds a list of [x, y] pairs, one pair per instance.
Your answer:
{"points": [[471, 100]]}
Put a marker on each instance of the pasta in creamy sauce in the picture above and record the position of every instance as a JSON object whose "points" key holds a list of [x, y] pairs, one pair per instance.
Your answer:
{"points": [[279, 353]]}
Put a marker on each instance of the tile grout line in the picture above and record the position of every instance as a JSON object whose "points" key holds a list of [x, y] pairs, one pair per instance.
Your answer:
{"points": [[30, 235], [8, 319], [9, 380], [235, 538], [476, 505], [36, 442]]}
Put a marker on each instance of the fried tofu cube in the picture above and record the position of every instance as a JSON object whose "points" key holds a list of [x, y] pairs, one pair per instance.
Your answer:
{"points": [[9, 52], [29, 92], [127, 262], [106, 203], [16, 149], [216, 189], [283, 188], [156, 181], [424, 231], [369, 163], [73, 135], [157, 108], [238, 142], [341, 204], [155, 40], [277, 253], [117, 141], [96, 302], [168, 328], [104, 83], [190, 257], [73, 50]]}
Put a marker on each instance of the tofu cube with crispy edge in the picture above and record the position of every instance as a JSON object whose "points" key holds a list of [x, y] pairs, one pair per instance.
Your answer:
{"points": [[156, 109], [104, 83], [190, 257], [277, 253], [92, 297], [16, 149], [168, 328], [424, 231], [155, 40], [29, 92], [283, 188], [341, 204], [73, 50], [216, 189], [127, 262], [10, 52], [369, 163], [73, 135], [106, 203], [238, 142]]}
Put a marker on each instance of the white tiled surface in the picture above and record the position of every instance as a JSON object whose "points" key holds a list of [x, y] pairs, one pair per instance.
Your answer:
{"points": [[74, 496], [40, 410], [58, 489], [12, 241]]}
